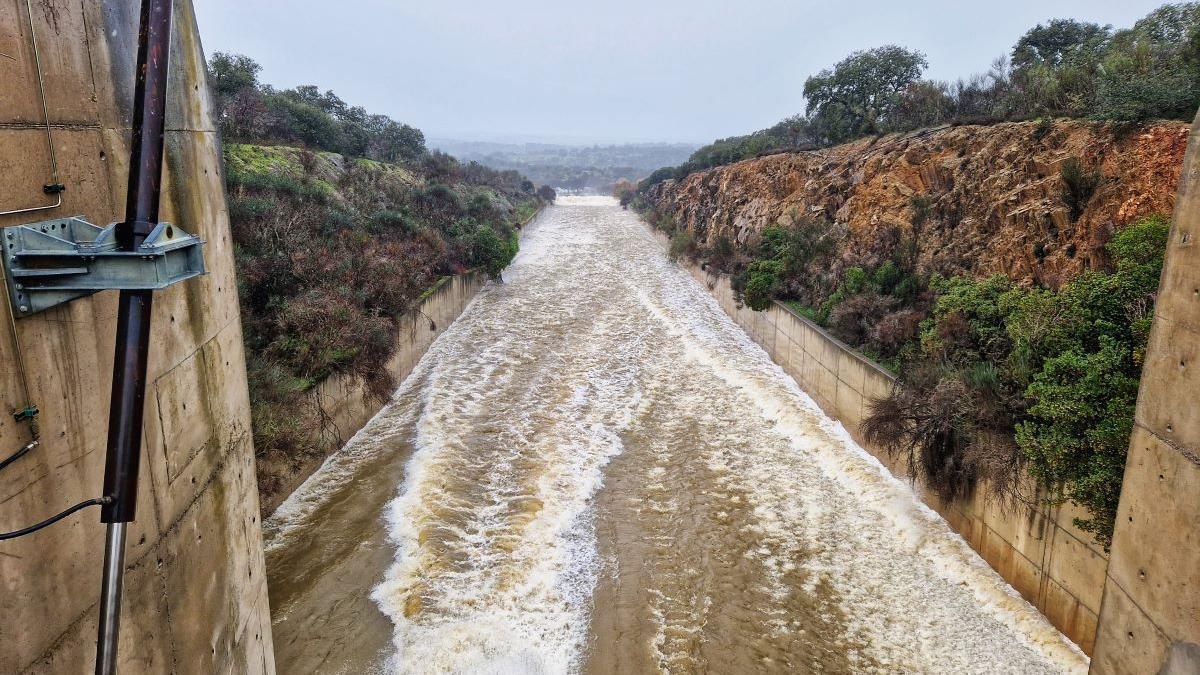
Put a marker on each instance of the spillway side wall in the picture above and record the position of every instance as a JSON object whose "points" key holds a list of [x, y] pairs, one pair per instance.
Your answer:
{"points": [[1051, 563], [1150, 621], [195, 597], [343, 403]]}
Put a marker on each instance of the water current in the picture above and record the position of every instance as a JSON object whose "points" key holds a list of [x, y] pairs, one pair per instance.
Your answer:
{"points": [[595, 470]]}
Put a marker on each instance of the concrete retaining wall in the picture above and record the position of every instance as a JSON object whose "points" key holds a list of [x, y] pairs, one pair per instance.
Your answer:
{"points": [[1054, 566], [195, 591], [343, 402], [1150, 621]]}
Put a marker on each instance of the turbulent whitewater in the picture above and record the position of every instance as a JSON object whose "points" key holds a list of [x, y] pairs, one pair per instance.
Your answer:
{"points": [[595, 470]]}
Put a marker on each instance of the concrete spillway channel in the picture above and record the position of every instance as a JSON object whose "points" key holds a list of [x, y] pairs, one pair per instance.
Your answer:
{"points": [[595, 470]]}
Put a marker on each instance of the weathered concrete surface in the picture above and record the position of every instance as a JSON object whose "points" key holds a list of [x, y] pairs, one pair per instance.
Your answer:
{"points": [[343, 401], [195, 590], [1150, 620], [1051, 563]]}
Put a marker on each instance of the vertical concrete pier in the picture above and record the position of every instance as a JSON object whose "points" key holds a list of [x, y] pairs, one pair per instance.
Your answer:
{"points": [[195, 589], [1150, 618]]}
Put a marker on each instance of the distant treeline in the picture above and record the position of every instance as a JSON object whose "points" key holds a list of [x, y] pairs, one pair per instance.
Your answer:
{"points": [[1064, 68], [574, 167]]}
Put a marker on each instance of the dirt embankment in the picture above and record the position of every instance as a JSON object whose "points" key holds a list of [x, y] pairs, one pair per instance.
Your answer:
{"points": [[979, 199]]}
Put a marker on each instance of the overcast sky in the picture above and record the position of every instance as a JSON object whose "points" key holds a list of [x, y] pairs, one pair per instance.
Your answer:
{"points": [[609, 71]]}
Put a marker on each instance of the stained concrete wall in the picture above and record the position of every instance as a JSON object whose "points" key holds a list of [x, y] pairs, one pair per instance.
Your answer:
{"points": [[1050, 562], [1150, 621], [343, 401], [195, 594]]}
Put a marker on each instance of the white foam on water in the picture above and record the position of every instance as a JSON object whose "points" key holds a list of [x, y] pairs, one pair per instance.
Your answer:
{"points": [[586, 200], [515, 413], [508, 588], [339, 468], [884, 616]]}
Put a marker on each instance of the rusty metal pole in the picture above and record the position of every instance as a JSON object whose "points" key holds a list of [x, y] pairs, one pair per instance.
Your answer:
{"points": [[133, 319]]}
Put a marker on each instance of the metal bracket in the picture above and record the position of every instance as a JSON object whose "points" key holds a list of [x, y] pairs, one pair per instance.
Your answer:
{"points": [[29, 412], [55, 261]]}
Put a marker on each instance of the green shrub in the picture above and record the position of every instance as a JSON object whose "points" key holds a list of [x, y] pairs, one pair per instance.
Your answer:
{"points": [[1078, 186], [1082, 399], [1078, 429], [1138, 97], [795, 247], [922, 206], [492, 252], [338, 219], [682, 244], [249, 207], [1139, 249], [388, 219], [760, 284], [967, 323], [722, 246], [438, 205]]}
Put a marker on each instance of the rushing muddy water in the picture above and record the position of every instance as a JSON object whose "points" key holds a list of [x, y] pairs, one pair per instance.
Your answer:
{"points": [[595, 470]]}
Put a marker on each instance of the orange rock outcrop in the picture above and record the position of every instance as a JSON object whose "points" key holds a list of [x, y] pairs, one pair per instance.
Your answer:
{"points": [[992, 195]]}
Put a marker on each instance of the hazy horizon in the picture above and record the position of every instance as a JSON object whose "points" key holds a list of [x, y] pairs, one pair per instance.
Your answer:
{"points": [[674, 72]]}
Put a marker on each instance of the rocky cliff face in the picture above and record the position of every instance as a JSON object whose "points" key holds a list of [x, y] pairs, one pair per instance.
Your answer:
{"points": [[975, 199]]}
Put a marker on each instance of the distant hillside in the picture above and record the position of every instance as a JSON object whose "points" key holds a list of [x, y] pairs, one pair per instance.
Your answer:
{"points": [[570, 167]]}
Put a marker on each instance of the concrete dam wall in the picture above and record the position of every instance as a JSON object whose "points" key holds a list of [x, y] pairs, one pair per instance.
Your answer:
{"points": [[195, 595]]}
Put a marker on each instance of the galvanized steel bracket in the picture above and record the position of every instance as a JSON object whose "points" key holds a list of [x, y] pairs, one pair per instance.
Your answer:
{"points": [[55, 261]]}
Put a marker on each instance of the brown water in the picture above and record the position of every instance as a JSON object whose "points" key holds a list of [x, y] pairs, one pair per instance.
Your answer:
{"points": [[594, 470]]}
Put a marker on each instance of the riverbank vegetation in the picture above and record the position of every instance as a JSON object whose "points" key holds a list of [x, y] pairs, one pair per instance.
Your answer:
{"points": [[995, 379], [1064, 68], [999, 380], [335, 240]]}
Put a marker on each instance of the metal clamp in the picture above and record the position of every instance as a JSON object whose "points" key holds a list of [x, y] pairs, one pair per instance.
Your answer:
{"points": [[55, 261]]}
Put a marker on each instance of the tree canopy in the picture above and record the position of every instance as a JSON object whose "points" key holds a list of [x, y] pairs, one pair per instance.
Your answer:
{"points": [[857, 96], [1062, 68], [249, 111]]}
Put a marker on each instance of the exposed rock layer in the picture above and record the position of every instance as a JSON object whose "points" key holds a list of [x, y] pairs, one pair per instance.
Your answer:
{"points": [[995, 194]]}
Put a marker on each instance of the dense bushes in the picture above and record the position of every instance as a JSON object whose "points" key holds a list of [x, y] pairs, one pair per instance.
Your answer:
{"points": [[1009, 378], [1082, 397], [682, 244], [492, 252], [779, 263], [336, 239], [329, 253], [1063, 68], [249, 111]]}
